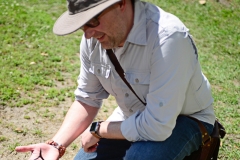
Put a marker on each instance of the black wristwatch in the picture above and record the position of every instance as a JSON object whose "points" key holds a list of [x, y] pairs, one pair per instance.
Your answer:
{"points": [[95, 128]]}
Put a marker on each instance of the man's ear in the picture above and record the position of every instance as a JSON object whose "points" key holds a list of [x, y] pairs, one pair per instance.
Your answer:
{"points": [[122, 4]]}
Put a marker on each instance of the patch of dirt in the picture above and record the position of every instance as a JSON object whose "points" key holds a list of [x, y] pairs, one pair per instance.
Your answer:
{"points": [[34, 123], [225, 2]]}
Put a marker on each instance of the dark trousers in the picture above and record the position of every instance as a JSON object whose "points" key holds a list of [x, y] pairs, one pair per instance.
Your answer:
{"points": [[185, 138]]}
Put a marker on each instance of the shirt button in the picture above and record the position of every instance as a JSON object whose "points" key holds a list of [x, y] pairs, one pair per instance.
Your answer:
{"points": [[98, 70], [126, 95], [136, 80], [130, 110], [160, 104]]}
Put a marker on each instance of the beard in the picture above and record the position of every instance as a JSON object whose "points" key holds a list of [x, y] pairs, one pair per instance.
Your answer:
{"points": [[110, 43], [116, 36]]}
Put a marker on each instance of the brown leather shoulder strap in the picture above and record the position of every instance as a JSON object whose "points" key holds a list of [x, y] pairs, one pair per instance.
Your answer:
{"points": [[120, 71], [205, 136], [206, 140]]}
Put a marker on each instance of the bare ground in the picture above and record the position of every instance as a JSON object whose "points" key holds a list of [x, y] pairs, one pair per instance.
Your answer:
{"points": [[38, 126]]}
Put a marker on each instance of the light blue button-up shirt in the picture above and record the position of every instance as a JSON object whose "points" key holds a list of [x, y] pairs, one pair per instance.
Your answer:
{"points": [[160, 61]]}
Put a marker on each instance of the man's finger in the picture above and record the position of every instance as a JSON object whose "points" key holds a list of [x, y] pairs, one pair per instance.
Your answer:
{"points": [[91, 149], [24, 148]]}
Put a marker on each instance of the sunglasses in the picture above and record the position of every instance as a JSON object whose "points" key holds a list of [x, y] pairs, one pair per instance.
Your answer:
{"points": [[92, 23]]}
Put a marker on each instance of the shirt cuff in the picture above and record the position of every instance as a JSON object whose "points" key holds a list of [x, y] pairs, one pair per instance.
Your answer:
{"points": [[129, 130]]}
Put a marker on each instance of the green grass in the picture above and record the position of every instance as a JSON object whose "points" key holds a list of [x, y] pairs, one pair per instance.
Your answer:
{"points": [[39, 70], [31, 56]]}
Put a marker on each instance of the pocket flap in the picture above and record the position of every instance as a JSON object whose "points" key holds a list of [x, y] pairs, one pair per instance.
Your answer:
{"points": [[138, 77], [100, 70]]}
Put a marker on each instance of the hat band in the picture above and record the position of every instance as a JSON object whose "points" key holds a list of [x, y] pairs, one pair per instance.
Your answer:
{"points": [[82, 5]]}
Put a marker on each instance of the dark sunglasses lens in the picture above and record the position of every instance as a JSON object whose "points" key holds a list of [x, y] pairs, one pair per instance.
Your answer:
{"points": [[93, 23]]}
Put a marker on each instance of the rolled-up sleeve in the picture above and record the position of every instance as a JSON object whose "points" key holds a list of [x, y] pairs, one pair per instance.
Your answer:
{"points": [[172, 65], [89, 90]]}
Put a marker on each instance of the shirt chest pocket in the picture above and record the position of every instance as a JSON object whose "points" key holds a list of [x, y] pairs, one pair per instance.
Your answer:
{"points": [[135, 78], [100, 71], [140, 83]]}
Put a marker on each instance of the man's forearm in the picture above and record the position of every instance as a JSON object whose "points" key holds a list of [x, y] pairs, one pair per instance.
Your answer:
{"points": [[78, 118], [111, 130]]}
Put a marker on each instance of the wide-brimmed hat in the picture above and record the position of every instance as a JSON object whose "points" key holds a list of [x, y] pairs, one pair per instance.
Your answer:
{"points": [[79, 12]]}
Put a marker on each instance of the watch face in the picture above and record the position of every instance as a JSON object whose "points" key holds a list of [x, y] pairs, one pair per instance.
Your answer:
{"points": [[93, 127]]}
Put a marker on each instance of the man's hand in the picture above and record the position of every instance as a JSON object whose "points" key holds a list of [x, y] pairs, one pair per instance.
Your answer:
{"points": [[47, 151], [89, 142]]}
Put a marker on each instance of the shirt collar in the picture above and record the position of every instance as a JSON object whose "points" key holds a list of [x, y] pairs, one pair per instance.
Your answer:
{"points": [[138, 32]]}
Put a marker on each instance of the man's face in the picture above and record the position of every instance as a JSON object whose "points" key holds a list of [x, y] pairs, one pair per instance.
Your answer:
{"points": [[111, 31]]}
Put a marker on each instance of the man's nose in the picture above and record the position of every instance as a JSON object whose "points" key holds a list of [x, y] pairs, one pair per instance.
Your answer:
{"points": [[88, 32]]}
